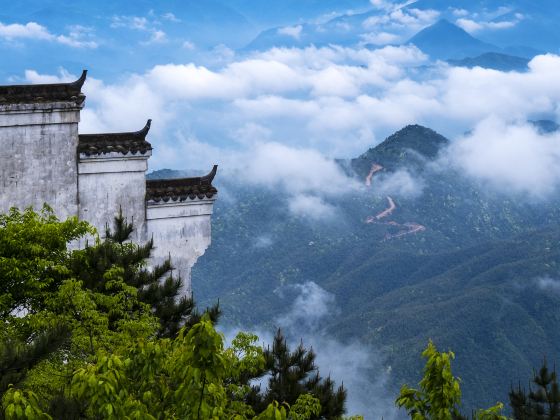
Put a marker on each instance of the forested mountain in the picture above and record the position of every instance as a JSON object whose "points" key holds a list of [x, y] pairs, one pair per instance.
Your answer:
{"points": [[474, 271]]}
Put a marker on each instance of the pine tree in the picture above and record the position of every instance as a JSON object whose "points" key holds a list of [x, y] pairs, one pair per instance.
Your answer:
{"points": [[294, 373], [541, 403], [157, 287], [17, 357]]}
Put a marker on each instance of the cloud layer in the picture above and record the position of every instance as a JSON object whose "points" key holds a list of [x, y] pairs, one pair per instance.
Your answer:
{"points": [[277, 118], [356, 365], [77, 37]]}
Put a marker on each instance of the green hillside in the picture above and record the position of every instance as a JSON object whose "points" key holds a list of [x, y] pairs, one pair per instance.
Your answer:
{"points": [[471, 278]]}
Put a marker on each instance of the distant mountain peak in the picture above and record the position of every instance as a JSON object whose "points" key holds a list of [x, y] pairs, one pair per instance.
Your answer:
{"points": [[411, 145], [445, 40], [416, 137]]}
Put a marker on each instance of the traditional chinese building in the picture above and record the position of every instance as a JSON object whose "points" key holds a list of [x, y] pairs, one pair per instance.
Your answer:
{"points": [[44, 159]]}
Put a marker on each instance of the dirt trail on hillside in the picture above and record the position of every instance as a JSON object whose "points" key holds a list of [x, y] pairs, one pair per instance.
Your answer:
{"points": [[374, 168], [407, 228]]}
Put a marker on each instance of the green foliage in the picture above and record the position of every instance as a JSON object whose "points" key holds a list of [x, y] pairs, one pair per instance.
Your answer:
{"points": [[90, 340], [542, 401], [184, 378], [477, 245], [157, 287], [439, 394], [22, 405], [33, 257], [293, 374]]}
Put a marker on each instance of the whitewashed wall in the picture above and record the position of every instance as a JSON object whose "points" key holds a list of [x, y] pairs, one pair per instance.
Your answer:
{"points": [[182, 231], [108, 182], [38, 162]]}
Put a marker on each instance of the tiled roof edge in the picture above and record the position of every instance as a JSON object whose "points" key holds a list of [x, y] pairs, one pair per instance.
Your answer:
{"points": [[181, 189], [52, 92]]}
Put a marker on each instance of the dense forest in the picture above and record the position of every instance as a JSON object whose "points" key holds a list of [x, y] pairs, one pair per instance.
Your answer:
{"points": [[91, 333]]}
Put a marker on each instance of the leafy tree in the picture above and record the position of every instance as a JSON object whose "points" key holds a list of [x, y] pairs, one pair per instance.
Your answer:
{"points": [[33, 257], [162, 378], [157, 287], [93, 338], [33, 265], [439, 394], [542, 402], [294, 373]]}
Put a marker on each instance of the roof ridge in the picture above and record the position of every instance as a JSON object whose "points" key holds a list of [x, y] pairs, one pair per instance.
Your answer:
{"points": [[179, 189], [44, 92], [125, 142], [142, 133]]}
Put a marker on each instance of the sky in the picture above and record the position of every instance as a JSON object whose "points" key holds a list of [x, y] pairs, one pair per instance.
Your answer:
{"points": [[274, 94]]}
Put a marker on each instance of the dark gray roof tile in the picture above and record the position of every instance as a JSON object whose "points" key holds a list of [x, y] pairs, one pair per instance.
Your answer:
{"points": [[181, 189], [54, 92], [133, 142]]}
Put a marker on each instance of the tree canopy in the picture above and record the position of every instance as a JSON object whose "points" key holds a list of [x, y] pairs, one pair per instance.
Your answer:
{"points": [[92, 333]]}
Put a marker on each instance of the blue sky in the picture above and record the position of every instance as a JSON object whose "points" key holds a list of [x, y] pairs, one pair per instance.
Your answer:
{"points": [[277, 92]]}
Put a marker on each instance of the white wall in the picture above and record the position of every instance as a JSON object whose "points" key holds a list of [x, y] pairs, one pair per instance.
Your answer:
{"points": [[38, 162], [109, 182], [182, 230]]}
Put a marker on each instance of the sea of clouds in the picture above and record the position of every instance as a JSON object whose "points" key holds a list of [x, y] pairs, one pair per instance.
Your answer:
{"points": [[278, 118]]}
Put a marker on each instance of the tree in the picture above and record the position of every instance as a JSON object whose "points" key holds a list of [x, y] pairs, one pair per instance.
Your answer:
{"points": [[59, 307], [439, 394], [540, 403], [157, 287], [33, 257], [294, 373], [91, 338], [33, 265], [162, 378]]}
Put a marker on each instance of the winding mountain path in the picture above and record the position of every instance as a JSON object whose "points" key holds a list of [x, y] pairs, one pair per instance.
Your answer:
{"points": [[374, 168], [406, 228]]}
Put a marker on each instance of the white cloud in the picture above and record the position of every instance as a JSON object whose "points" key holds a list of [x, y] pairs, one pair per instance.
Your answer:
{"points": [[263, 241], [188, 45], [141, 23], [33, 30], [400, 183], [460, 12], [473, 26], [381, 38], [312, 305], [390, 4], [34, 77], [170, 17], [292, 31], [407, 21], [356, 365], [296, 171], [312, 207], [30, 30], [292, 107], [157, 37], [130, 22], [510, 158]]}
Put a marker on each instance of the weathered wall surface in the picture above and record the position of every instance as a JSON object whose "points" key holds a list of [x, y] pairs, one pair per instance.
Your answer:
{"points": [[109, 182], [182, 231], [38, 162]]}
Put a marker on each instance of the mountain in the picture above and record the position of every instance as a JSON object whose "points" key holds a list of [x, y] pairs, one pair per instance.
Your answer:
{"points": [[444, 40], [403, 148], [492, 60], [475, 271]]}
